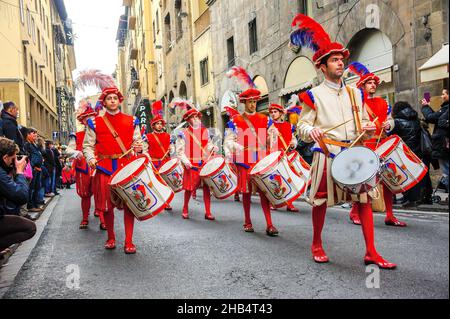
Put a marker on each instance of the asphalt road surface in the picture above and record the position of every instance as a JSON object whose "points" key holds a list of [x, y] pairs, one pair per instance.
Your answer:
{"points": [[199, 259]]}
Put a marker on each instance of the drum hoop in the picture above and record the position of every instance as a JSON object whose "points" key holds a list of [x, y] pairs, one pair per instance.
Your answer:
{"points": [[175, 164], [266, 169], [374, 175], [217, 170], [131, 176], [396, 139]]}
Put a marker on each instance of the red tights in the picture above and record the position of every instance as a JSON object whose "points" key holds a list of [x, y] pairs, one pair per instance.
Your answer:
{"points": [[206, 199], [246, 200]]}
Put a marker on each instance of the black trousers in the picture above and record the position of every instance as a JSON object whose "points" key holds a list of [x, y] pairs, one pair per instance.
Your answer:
{"points": [[15, 229]]}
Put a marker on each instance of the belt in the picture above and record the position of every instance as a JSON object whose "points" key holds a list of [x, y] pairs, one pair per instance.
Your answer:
{"points": [[335, 143], [113, 156], [254, 149]]}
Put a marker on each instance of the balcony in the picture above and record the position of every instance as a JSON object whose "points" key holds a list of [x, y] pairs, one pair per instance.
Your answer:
{"points": [[132, 23], [202, 23], [127, 3]]}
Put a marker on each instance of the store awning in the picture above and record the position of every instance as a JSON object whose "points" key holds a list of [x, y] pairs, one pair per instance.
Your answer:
{"points": [[296, 88], [436, 68]]}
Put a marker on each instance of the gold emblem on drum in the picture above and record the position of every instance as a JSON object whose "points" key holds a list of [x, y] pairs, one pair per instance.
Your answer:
{"points": [[140, 195]]}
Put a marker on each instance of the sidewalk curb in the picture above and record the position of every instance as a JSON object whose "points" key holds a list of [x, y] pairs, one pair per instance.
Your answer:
{"points": [[17, 259]]}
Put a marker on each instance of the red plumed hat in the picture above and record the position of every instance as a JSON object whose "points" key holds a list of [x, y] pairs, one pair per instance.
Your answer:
{"points": [[157, 119], [110, 90], [364, 74], [85, 111], [251, 92], [311, 34], [187, 106], [277, 107]]}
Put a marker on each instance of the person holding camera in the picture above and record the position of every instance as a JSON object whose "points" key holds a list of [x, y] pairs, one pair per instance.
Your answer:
{"points": [[13, 193]]}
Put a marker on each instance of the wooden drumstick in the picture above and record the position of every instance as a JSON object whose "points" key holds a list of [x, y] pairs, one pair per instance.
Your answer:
{"points": [[126, 153], [357, 140], [379, 137], [335, 127]]}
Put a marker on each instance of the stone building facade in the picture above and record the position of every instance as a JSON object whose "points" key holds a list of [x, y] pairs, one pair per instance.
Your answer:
{"points": [[393, 38]]}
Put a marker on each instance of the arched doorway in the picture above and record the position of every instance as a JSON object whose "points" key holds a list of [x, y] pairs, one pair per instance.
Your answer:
{"points": [[263, 103], [373, 48], [183, 90]]}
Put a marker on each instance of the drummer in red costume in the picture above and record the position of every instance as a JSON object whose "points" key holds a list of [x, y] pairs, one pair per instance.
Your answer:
{"points": [[108, 139], [286, 139], [321, 106], [247, 141], [83, 173], [159, 144], [379, 112], [193, 148]]}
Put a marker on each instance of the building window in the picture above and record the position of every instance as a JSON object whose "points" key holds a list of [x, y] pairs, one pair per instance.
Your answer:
{"points": [[179, 19], [41, 81], [253, 36], [154, 32], [230, 50], [29, 21], [303, 7], [25, 60], [168, 32], [22, 17], [157, 22], [204, 71], [32, 68], [33, 30], [36, 73]]}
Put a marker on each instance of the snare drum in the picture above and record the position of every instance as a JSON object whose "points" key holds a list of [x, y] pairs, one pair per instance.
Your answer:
{"points": [[277, 180], [356, 170], [220, 178], [300, 165], [172, 173], [401, 169], [140, 189]]}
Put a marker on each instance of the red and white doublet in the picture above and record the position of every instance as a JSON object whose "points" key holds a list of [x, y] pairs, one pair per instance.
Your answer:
{"points": [[193, 147], [159, 144], [99, 144], [246, 145]]}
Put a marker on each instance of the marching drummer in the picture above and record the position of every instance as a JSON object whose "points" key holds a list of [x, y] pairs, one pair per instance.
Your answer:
{"points": [[194, 148], [83, 173], [107, 147], [248, 139], [325, 107], [159, 143], [380, 113], [286, 140]]}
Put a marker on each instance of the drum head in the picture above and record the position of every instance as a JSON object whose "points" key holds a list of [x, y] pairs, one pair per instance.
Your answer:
{"points": [[355, 166], [212, 166], [266, 162], [168, 166], [128, 170], [388, 146]]}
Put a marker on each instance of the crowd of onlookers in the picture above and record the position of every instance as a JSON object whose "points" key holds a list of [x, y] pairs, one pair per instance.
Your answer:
{"points": [[31, 169]]}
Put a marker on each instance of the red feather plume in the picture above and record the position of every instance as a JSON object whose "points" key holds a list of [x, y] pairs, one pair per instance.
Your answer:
{"points": [[241, 74], [95, 78]]}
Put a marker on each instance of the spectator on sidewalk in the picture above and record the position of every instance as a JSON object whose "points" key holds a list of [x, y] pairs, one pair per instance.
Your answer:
{"points": [[50, 165], [13, 193], [439, 137], [407, 126], [9, 116], [36, 162], [58, 169]]}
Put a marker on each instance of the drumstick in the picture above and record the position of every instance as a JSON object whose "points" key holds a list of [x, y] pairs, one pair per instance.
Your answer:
{"points": [[126, 153], [379, 137], [357, 140], [335, 127]]}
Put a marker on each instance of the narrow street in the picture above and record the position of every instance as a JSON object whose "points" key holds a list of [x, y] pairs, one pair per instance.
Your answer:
{"points": [[202, 259]]}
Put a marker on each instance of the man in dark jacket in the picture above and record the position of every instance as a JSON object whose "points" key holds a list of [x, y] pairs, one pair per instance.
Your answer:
{"points": [[13, 194], [407, 126], [36, 162], [58, 169], [440, 133], [11, 130], [49, 163]]}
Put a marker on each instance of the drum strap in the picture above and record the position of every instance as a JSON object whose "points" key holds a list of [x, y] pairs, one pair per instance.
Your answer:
{"points": [[196, 141], [373, 116], [335, 143], [252, 128], [160, 144], [114, 134]]}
